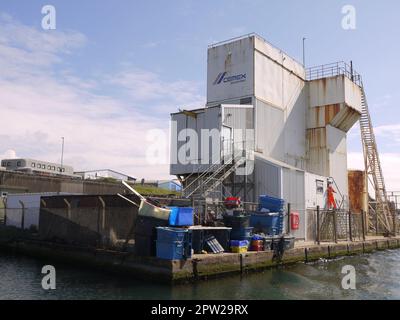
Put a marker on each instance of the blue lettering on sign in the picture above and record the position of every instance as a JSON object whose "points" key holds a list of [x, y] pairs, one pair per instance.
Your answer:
{"points": [[222, 77]]}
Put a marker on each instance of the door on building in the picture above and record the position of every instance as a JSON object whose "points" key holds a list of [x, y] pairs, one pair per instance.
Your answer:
{"points": [[226, 143]]}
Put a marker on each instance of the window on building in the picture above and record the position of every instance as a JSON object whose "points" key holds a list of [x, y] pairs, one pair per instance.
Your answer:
{"points": [[18, 163], [49, 167], [53, 168], [320, 186], [3, 164], [245, 101], [33, 165], [8, 163]]}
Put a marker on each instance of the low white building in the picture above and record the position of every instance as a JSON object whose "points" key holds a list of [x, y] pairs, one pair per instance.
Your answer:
{"points": [[105, 173]]}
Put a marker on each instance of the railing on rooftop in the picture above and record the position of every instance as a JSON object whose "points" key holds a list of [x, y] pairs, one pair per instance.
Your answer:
{"points": [[333, 70], [252, 34]]}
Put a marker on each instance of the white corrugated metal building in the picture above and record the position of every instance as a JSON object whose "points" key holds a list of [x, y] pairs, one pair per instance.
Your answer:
{"points": [[299, 122]]}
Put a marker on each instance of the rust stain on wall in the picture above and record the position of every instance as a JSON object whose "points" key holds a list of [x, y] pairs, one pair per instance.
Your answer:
{"points": [[356, 179]]}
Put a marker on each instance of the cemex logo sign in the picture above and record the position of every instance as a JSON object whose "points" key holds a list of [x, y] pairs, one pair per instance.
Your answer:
{"points": [[225, 78]]}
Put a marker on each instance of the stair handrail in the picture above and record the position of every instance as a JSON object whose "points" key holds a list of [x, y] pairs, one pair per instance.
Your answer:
{"points": [[221, 165]]}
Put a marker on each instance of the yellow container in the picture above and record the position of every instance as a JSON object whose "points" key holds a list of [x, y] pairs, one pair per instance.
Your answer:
{"points": [[239, 249]]}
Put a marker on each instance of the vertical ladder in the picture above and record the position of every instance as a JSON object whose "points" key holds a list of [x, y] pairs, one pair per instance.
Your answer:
{"points": [[373, 167]]}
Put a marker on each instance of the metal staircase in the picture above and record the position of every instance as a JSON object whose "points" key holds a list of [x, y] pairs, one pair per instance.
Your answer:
{"points": [[213, 176], [373, 166]]}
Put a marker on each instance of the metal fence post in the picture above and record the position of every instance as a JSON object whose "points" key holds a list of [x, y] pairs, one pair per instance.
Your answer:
{"points": [[394, 222], [334, 226], [68, 208], [103, 215], [23, 215], [376, 222], [288, 218], [363, 225], [5, 211], [318, 235], [350, 230]]}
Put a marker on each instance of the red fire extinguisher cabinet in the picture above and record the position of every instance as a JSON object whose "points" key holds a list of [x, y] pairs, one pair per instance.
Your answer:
{"points": [[294, 221]]}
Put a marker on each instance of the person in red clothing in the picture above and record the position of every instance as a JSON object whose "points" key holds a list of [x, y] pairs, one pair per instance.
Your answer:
{"points": [[331, 197]]}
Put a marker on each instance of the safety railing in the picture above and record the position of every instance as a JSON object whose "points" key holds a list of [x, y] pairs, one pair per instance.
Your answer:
{"points": [[335, 225], [333, 70], [228, 153]]}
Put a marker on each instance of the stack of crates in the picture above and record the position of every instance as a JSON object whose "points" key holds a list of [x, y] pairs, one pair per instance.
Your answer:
{"points": [[173, 243], [239, 246], [273, 219], [257, 243], [240, 227]]}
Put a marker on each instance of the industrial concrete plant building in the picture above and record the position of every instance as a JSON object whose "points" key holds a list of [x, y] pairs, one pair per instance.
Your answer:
{"points": [[293, 125]]}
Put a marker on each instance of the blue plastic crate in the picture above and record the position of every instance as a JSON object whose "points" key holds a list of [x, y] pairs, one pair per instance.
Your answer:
{"points": [[271, 203], [239, 243], [181, 216], [168, 234], [171, 250], [271, 224]]}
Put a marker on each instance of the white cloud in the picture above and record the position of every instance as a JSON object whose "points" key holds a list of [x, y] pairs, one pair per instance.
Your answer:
{"points": [[40, 102], [390, 166], [8, 154], [27, 51], [390, 132], [145, 86], [383, 102]]}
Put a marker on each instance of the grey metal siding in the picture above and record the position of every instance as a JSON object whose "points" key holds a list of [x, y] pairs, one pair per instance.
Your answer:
{"points": [[267, 178], [293, 192]]}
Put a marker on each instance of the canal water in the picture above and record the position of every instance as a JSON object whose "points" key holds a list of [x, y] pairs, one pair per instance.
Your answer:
{"points": [[377, 277]]}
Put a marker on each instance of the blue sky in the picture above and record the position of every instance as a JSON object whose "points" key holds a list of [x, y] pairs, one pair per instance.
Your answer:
{"points": [[128, 64]]}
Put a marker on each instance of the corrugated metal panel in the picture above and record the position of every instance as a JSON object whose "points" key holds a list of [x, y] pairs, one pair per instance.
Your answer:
{"points": [[267, 178], [335, 101], [226, 61], [327, 91], [337, 146], [345, 119], [240, 118], [317, 152], [313, 196], [269, 131], [279, 79], [353, 94], [276, 54], [281, 136], [184, 122], [294, 193]]}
